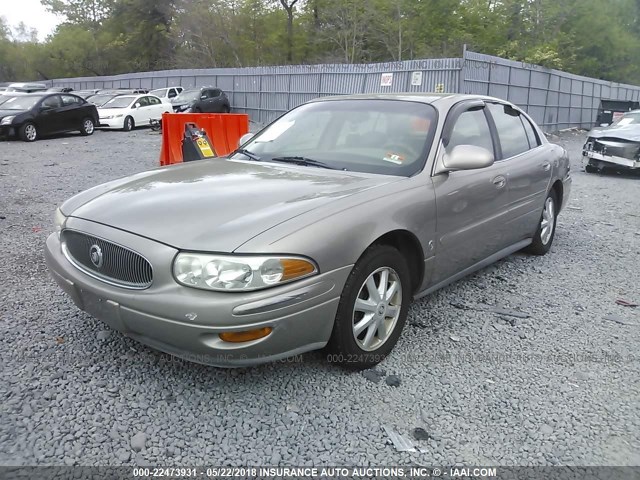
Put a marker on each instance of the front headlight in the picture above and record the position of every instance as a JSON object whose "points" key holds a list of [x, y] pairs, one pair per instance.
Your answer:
{"points": [[239, 273], [58, 221], [7, 120]]}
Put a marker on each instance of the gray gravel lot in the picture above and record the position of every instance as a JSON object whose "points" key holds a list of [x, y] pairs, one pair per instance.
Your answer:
{"points": [[557, 385]]}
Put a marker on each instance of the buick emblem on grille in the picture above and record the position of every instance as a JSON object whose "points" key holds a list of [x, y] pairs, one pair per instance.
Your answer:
{"points": [[95, 253]]}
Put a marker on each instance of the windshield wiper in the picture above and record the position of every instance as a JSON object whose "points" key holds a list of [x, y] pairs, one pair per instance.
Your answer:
{"points": [[304, 161], [247, 153]]}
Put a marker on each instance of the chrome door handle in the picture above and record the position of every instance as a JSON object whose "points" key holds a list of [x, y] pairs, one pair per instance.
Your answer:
{"points": [[546, 166], [499, 181]]}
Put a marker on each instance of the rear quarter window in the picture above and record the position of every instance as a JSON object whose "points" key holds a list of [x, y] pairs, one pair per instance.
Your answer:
{"points": [[534, 141]]}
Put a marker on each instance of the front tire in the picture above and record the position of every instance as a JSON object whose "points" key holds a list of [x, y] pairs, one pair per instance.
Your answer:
{"points": [[372, 310], [546, 231], [129, 124], [88, 127], [28, 132], [590, 169]]}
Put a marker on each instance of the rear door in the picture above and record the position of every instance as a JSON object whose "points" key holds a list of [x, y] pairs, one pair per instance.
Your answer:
{"points": [[155, 108], [73, 110], [528, 165], [472, 205]]}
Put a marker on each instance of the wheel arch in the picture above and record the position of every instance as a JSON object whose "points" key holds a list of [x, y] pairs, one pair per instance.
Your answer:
{"points": [[409, 246], [558, 188]]}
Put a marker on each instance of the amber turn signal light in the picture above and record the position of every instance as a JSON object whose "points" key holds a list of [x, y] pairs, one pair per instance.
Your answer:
{"points": [[246, 336], [295, 268]]}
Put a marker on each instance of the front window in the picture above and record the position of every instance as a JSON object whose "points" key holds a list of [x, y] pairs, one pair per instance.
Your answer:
{"points": [[390, 137], [119, 102], [20, 103], [631, 118]]}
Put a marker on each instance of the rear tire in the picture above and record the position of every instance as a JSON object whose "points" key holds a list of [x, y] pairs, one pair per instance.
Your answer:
{"points": [[88, 127], [543, 238], [590, 169], [226, 109], [368, 324], [28, 132], [129, 124]]}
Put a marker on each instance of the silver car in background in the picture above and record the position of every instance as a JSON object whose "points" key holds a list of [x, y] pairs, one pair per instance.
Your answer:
{"points": [[317, 232]]}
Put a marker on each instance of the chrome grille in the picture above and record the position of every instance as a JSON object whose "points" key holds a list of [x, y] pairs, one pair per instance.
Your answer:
{"points": [[118, 265]]}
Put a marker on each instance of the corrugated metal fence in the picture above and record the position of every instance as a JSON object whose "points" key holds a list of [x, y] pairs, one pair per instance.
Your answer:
{"points": [[553, 98]]}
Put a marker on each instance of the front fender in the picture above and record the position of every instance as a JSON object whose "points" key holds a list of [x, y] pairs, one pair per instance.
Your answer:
{"points": [[338, 234]]}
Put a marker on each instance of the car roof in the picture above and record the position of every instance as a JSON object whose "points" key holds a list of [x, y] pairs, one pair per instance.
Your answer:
{"points": [[443, 100]]}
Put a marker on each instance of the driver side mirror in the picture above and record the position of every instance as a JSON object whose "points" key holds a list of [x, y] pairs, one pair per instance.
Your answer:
{"points": [[245, 138], [467, 157], [137, 105]]}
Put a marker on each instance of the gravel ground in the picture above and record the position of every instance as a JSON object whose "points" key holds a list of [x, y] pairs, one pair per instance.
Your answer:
{"points": [[557, 384]]}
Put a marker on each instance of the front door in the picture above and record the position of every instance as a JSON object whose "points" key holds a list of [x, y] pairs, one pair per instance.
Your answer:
{"points": [[51, 117], [472, 205]]}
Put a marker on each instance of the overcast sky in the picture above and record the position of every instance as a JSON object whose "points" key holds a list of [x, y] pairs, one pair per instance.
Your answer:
{"points": [[32, 13]]}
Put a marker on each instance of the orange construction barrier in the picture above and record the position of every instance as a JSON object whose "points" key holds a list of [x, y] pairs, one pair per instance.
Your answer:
{"points": [[224, 130]]}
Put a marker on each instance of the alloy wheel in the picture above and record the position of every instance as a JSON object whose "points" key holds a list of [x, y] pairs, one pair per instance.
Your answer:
{"points": [[548, 221], [377, 309], [88, 127], [30, 132]]}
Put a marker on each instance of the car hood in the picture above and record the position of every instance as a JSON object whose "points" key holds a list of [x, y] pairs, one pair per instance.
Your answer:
{"points": [[215, 205], [625, 132], [182, 103], [10, 113]]}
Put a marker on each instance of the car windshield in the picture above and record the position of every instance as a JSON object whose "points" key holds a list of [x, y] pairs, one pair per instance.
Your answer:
{"points": [[631, 118], [8, 96], [119, 102], [389, 137], [21, 103], [159, 92], [99, 100], [187, 96]]}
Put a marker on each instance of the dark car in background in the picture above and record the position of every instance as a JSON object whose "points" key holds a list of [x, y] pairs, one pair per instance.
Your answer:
{"points": [[35, 115], [201, 100], [60, 89]]}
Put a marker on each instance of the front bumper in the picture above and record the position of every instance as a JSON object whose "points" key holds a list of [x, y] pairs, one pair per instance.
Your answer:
{"points": [[598, 159], [7, 131], [186, 322], [111, 122]]}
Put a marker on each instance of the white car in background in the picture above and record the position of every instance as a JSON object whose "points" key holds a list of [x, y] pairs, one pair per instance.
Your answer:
{"points": [[129, 111], [166, 94]]}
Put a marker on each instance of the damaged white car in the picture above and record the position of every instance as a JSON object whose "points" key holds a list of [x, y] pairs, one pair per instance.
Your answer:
{"points": [[616, 146]]}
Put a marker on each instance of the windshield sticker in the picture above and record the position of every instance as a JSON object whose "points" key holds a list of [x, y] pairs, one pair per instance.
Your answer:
{"points": [[394, 158], [275, 131]]}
